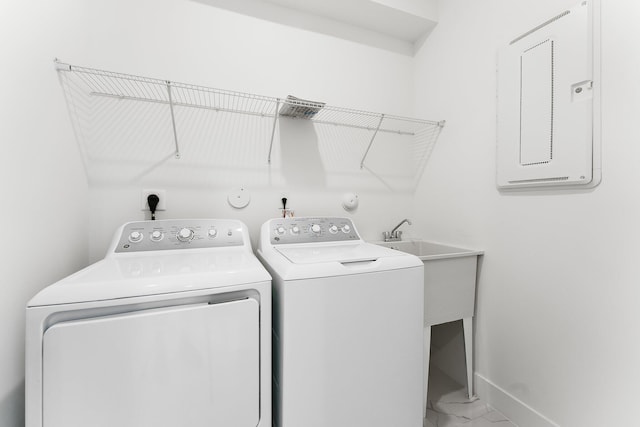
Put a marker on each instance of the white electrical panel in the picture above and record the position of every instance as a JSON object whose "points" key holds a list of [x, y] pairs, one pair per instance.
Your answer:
{"points": [[546, 90]]}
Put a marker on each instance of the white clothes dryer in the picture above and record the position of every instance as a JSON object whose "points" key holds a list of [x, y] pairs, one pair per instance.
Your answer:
{"points": [[172, 328], [347, 326]]}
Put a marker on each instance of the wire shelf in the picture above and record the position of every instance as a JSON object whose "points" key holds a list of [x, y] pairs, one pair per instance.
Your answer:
{"points": [[109, 84]]}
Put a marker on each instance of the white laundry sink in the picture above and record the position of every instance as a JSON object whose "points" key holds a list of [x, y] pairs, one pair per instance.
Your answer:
{"points": [[428, 250], [449, 291], [449, 278]]}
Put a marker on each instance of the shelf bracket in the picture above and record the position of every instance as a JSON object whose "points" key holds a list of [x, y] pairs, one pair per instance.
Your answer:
{"points": [[276, 114], [173, 120], [373, 137], [61, 66]]}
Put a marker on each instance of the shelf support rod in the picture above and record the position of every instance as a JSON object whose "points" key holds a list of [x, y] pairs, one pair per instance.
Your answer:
{"points": [[373, 137], [273, 130], [173, 120], [61, 66]]}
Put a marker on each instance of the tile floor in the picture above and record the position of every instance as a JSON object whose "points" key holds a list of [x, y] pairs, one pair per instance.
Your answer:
{"points": [[449, 406]]}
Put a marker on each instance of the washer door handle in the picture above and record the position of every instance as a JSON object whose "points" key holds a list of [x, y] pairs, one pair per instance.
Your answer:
{"points": [[358, 264]]}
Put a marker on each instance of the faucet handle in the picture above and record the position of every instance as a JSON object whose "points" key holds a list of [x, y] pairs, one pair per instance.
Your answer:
{"points": [[386, 235]]}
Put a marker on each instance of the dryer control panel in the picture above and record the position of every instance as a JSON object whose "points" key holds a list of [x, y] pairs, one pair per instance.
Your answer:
{"points": [[179, 234], [310, 230]]}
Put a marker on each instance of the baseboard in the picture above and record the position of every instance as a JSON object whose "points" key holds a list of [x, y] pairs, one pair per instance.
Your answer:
{"points": [[511, 407]]}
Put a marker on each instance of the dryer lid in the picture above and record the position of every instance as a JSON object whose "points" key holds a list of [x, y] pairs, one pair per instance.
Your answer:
{"points": [[155, 273]]}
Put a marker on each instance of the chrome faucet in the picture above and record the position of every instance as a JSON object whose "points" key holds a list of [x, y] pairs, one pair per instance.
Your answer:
{"points": [[395, 234]]}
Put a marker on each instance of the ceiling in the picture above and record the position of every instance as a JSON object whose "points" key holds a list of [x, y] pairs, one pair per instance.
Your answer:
{"points": [[400, 26]]}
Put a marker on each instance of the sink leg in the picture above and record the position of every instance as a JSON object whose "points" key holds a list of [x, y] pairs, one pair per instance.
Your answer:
{"points": [[425, 370], [467, 323]]}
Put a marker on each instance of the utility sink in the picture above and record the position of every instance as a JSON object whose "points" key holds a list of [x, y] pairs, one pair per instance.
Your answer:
{"points": [[429, 250], [449, 278], [449, 292]]}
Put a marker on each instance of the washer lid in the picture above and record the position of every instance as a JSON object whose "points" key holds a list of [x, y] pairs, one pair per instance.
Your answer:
{"points": [[343, 253], [317, 260]]}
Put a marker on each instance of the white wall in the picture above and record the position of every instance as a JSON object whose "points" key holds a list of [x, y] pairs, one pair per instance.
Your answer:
{"points": [[56, 223], [557, 293], [558, 290], [193, 42], [43, 190]]}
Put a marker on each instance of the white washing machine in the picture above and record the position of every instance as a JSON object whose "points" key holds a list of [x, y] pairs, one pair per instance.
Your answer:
{"points": [[172, 328], [347, 327]]}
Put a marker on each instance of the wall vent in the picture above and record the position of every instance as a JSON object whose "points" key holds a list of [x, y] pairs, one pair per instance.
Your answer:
{"points": [[544, 24], [536, 104], [557, 178]]}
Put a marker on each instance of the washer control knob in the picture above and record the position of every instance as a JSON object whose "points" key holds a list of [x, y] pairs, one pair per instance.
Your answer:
{"points": [[135, 236], [185, 234], [315, 228], [280, 231], [212, 233], [333, 229], [156, 235], [345, 228], [295, 230]]}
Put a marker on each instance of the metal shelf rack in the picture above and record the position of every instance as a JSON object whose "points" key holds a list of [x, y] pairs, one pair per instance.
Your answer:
{"points": [[136, 88]]}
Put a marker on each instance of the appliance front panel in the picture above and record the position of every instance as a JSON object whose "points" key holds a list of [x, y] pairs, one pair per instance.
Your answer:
{"points": [[194, 366], [348, 350]]}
